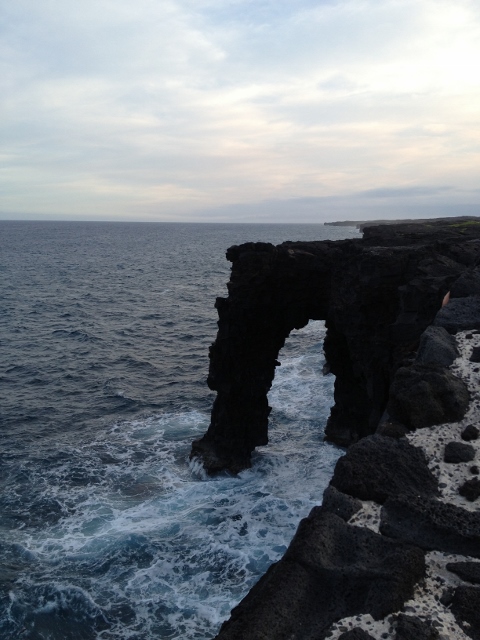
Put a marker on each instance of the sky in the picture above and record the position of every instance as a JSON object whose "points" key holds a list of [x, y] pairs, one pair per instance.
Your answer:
{"points": [[239, 110]]}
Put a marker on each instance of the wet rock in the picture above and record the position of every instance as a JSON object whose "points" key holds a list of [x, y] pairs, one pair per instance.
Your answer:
{"points": [[412, 628], [470, 489], [355, 634], [432, 525], [340, 504], [422, 396], [468, 571], [470, 433], [378, 467], [466, 609], [458, 452], [460, 314], [331, 570], [437, 347]]}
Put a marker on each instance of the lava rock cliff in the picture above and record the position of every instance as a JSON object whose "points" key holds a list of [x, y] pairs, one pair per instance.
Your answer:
{"points": [[372, 559]]}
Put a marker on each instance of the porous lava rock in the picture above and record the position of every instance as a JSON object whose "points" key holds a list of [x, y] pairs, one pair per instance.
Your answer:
{"points": [[468, 284], [432, 524], [468, 571], [475, 355], [466, 609], [331, 570], [378, 467], [425, 395], [340, 504], [470, 433], [459, 314], [437, 347], [470, 489], [458, 452], [392, 429], [412, 628]]}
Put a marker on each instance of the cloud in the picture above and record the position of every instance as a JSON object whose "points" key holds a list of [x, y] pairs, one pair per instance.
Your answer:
{"points": [[404, 192], [181, 107]]}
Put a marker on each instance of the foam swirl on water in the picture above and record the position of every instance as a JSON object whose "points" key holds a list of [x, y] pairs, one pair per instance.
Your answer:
{"points": [[141, 544]]}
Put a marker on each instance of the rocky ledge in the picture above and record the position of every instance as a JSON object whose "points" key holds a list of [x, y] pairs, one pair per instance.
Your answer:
{"points": [[394, 549]]}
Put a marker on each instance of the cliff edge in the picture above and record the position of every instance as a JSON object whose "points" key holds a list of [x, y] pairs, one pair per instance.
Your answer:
{"points": [[393, 550]]}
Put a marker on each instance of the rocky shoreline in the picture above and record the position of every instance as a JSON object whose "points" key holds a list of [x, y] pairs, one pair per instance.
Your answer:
{"points": [[394, 549]]}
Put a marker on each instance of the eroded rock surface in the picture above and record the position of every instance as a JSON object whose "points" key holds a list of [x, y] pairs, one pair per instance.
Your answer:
{"points": [[432, 524], [466, 608], [330, 570], [425, 395], [412, 628], [437, 347], [379, 467], [468, 571]]}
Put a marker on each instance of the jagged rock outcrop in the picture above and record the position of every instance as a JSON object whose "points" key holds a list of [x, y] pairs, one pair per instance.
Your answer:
{"points": [[329, 571], [379, 467], [432, 524], [424, 395], [376, 294]]}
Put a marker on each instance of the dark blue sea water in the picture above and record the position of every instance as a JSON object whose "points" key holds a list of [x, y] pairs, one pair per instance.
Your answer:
{"points": [[106, 530]]}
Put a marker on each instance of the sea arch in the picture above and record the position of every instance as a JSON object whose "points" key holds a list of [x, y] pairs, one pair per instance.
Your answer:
{"points": [[376, 295]]}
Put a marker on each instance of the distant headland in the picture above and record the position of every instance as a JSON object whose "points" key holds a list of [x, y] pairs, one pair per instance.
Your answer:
{"points": [[360, 224]]}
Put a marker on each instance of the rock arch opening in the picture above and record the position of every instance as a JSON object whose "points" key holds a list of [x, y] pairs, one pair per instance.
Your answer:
{"points": [[301, 389]]}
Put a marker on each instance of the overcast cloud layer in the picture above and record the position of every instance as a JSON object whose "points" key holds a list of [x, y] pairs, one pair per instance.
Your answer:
{"points": [[241, 110]]}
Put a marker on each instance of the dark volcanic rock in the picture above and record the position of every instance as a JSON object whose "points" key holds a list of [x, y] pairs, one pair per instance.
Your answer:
{"points": [[392, 429], [377, 296], [458, 452], [470, 489], [466, 609], [475, 355], [459, 314], [355, 634], [468, 284], [437, 347], [412, 628], [468, 571], [331, 570], [421, 396], [378, 467], [470, 433], [447, 596], [431, 524], [340, 504]]}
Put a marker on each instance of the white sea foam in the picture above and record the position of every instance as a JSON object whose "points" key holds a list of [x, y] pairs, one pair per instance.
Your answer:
{"points": [[142, 526]]}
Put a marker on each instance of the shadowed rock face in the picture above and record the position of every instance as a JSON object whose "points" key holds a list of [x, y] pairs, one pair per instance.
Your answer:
{"points": [[331, 570], [377, 295], [379, 467]]}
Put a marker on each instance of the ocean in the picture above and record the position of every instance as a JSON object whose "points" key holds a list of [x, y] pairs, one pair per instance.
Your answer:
{"points": [[107, 530]]}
